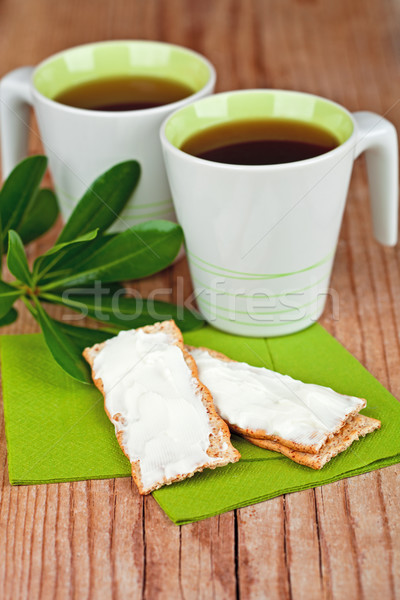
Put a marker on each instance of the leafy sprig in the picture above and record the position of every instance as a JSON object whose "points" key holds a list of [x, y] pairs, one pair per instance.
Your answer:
{"points": [[84, 255], [24, 207]]}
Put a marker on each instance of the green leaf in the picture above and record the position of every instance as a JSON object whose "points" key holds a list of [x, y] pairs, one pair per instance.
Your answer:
{"points": [[39, 217], [89, 289], [102, 203], [84, 336], [65, 352], [16, 259], [8, 295], [9, 318], [137, 252], [19, 190], [57, 253], [127, 312], [76, 256]]}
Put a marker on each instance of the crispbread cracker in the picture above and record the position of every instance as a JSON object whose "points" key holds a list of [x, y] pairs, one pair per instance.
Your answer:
{"points": [[262, 434], [220, 447], [356, 427]]}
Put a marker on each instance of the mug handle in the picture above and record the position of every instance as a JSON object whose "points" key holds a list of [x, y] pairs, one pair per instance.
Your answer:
{"points": [[377, 137], [15, 103]]}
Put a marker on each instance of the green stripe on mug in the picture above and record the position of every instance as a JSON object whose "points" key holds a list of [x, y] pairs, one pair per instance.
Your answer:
{"points": [[255, 276], [287, 293], [254, 313]]}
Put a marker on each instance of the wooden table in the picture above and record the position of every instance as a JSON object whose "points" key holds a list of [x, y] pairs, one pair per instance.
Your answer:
{"points": [[100, 539]]}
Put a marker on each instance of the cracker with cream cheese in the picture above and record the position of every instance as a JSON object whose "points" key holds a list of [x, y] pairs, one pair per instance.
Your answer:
{"points": [[164, 417], [355, 428], [301, 417]]}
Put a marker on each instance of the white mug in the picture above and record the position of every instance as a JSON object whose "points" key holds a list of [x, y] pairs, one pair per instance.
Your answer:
{"points": [[81, 144], [261, 240]]}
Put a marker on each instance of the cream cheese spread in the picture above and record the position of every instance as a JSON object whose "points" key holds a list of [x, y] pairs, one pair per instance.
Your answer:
{"points": [[151, 397], [259, 399]]}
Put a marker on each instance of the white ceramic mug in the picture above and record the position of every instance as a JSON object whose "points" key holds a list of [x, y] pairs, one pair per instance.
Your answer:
{"points": [[261, 239], [81, 144]]}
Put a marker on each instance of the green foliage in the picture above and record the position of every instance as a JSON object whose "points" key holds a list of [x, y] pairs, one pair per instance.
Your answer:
{"points": [[23, 207], [60, 253], [125, 312], [84, 255], [137, 252], [9, 317], [16, 259], [18, 192], [64, 350], [101, 205], [8, 295], [39, 217]]}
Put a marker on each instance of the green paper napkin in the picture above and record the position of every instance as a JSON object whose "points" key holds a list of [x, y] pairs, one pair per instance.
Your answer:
{"points": [[57, 430]]}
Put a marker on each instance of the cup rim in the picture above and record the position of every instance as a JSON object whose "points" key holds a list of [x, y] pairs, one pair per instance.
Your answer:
{"points": [[343, 147], [174, 106]]}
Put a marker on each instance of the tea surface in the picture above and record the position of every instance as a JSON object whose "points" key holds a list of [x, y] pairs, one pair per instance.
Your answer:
{"points": [[260, 142], [124, 93]]}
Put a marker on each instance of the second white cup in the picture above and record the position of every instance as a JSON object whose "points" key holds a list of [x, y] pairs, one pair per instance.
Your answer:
{"points": [[261, 240]]}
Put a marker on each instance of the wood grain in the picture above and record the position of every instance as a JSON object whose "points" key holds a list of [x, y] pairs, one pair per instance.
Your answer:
{"points": [[100, 540]]}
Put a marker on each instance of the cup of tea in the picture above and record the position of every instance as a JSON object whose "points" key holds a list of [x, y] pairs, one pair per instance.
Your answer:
{"points": [[99, 104], [259, 180]]}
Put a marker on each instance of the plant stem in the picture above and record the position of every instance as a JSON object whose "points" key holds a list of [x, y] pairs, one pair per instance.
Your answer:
{"points": [[69, 303], [51, 297], [29, 306]]}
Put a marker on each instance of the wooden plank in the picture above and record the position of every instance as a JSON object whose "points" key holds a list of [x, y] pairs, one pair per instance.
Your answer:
{"points": [[207, 558], [371, 536], [303, 546], [339, 560], [79, 540], [128, 555], [162, 542], [263, 569], [388, 482]]}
